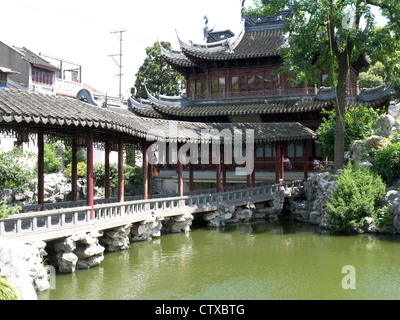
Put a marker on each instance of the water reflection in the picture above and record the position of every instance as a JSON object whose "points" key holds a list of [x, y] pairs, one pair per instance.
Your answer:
{"points": [[263, 260]]}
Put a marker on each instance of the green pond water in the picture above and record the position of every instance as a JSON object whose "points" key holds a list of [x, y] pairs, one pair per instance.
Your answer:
{"points": [[258, 261]]}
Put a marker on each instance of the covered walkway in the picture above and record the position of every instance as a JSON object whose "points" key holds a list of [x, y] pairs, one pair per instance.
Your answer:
{"points": [[38, 118]]}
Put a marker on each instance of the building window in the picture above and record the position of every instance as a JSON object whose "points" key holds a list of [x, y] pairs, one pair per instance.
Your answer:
{"points": [[214, 85], [259, 82], [291, 150], [299, 149], [268, 150], [243, 84], [295, 150], [251, 82], [41, 76], [276, 81], [260, 151], [218, 85], [255, 82], [235, 84], [198, 87], [3, 79], [268, 82]]}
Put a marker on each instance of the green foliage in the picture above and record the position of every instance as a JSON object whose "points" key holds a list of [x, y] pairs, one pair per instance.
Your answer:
{"points": [[131, 155], [5, 211], [67, 156], [383, 218], [313, 46], [7, 291], [98, 175], [359, 124], [51, 163], [157, 74], [132, 177], [386, 161], [356, 196], [14, 169], [372, 78], [367, 80], [81, 170]]}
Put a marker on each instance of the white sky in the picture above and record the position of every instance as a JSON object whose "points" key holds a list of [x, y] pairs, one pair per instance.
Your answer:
{"points": [[79, 31]]}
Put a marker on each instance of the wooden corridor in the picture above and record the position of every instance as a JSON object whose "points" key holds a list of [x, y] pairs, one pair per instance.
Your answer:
{"points": [[59, 223]]}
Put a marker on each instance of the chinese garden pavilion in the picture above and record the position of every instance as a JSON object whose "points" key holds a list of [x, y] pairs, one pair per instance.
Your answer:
{"points": [[234, 79]]}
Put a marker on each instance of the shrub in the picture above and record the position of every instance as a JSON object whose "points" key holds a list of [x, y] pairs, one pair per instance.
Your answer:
{"points": [[359, 124], [356, 196], [15, 170], [67, 155], [81, 170], [51, 163], [5, 211], [132, 177], [7, 291], [386, 161], [98, 175]]}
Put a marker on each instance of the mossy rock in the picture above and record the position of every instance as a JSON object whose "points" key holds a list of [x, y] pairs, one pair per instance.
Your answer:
{"points": [[376, 142]]}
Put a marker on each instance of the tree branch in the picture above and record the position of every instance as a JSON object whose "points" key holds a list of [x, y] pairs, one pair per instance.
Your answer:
{"points": [[389, 8]]}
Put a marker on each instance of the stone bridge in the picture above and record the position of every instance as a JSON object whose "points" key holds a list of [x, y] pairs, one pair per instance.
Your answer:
{"points": [[63, 222]]}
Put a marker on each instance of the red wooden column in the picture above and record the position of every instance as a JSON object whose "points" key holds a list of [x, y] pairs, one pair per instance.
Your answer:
{"points": [[253, 174], [121, 170], [89, 145], [282, 164], [150, 181], [74, 170], [223, 172], [191, 178], [144, 171], [180, 174], [249, 174], [41, 170], [305, 154], [107, 171], [191, 170], [218, 171], [277, 170]]}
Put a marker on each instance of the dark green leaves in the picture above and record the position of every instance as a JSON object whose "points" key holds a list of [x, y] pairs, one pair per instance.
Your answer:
{"points": [[158, 74]]}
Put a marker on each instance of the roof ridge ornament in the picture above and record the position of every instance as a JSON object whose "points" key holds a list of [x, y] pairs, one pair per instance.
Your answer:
{"points": [[225, 45], [243, 9], [206, 30]]}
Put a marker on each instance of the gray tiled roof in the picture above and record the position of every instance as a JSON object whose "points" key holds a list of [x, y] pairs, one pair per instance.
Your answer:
{"points": [[23, 109], [255, 44], [325, 98], [35, 59], [261, 37], [248, 107]]}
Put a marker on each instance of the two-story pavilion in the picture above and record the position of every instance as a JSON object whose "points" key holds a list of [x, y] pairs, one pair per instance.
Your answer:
{"points": [[235, 79]]}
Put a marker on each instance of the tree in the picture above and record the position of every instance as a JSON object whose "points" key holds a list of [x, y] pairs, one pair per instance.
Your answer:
{"points": [[157, 74], [330, 35], [372, 78], [359, 124]]}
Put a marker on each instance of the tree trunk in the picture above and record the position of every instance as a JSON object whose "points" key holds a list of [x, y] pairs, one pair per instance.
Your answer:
{"points": [[341, 92]]}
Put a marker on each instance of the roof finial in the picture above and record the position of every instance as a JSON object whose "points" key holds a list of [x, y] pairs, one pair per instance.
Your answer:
{"points": [[243, 9], [206, 28]]}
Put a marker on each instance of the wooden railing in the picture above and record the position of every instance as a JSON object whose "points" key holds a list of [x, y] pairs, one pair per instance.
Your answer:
{"points": [[139, 210], [256, 94]]}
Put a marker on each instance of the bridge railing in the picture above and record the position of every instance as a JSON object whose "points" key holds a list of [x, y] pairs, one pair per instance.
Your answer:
{"points": [[137, 209], [44, 221]]}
